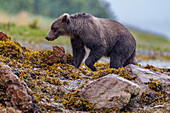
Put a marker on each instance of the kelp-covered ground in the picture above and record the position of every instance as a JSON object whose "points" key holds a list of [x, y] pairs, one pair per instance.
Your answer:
{"points": [[54, 87]]}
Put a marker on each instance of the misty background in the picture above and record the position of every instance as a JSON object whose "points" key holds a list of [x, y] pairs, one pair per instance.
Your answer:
{"points": [[149, 15]]}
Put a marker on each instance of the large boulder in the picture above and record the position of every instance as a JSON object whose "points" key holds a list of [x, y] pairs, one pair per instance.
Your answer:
{"points": [[110, 92], [15, 90]]}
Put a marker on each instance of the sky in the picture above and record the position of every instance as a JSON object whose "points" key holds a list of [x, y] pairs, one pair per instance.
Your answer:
{"points": [[148, 15]]}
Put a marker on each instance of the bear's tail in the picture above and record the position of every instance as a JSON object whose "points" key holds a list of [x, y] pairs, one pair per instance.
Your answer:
{"points": [[131, 59]]}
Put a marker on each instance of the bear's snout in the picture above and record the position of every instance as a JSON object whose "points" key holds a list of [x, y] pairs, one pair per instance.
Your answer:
{"points": [[47, 38], [50, 39]]}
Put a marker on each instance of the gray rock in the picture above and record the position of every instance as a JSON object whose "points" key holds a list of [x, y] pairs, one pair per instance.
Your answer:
{"points": [[110, 91], [145, 74]]}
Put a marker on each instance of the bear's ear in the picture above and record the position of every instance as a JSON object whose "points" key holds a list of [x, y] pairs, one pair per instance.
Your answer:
{"points": [[66, 18]]}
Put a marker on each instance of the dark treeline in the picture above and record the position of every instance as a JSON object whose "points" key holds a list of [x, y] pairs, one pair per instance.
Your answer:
{"points": [[54, 8]]}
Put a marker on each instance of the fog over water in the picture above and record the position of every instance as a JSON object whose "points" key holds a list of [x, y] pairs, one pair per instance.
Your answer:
{"points": [[148, 15]]}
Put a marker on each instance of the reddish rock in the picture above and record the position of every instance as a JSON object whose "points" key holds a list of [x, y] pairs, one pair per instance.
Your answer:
{"points": [[16, 91], [3, 36], [7, 75], [19, 97], [58, 55]]}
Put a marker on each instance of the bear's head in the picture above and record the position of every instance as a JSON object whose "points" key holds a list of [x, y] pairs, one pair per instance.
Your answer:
{"points": [[59, 27]]}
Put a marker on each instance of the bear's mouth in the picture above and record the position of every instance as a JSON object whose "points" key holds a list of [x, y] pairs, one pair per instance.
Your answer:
{"points": [[53, 38], [50, 39]]}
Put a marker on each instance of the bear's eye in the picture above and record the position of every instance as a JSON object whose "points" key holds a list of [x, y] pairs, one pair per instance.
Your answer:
{"points": [[53, 29]]}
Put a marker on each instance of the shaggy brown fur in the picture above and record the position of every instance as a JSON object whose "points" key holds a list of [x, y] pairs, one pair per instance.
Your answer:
{"points": [[103, 37]]}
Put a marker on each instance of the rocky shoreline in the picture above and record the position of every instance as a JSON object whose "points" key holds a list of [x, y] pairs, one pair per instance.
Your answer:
{"points": [[147, 91], [45, 81]]}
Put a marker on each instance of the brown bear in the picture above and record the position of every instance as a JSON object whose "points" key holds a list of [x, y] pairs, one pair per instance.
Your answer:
{"points": [[104, 37]]}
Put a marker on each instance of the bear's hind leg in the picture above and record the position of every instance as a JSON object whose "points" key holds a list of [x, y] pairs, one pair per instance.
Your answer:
{"points": [[119, 54], [131, 59], [115, 61]]}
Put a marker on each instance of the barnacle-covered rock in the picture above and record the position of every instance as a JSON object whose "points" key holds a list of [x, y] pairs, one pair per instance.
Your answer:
{"points": [[110, 92], [15, 91]]}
